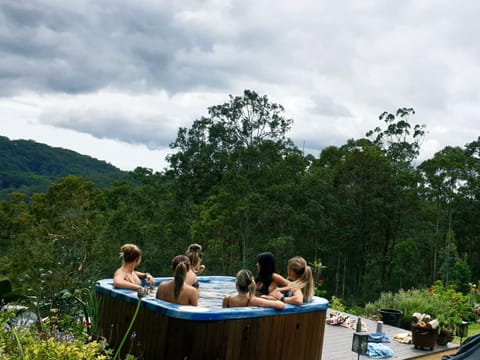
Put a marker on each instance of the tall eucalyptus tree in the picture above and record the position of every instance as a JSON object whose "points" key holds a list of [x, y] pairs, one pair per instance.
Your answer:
{"points": [[451, 183], [225, 155]]}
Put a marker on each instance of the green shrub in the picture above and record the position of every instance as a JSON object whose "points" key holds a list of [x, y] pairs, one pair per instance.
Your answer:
{"points": [[336, 304], [68, 350], [438, 301], [30, 344]]}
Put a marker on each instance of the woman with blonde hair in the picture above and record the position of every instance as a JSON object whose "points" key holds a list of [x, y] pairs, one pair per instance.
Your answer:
{"points": [[300, 289], [177, 291], [194, 254], [126, 276], [246, 288]]}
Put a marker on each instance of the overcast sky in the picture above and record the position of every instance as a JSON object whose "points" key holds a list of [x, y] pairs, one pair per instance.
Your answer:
{"points": [[116, 79]]}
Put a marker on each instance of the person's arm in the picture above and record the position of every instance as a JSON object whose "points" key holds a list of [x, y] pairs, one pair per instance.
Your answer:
{"points": [[120, 282], [280, 280], [147, 276], [200, 269], [274, 295], [263, 302], [295, 299]]}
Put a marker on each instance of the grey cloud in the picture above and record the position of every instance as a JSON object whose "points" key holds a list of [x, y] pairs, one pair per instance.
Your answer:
{"points": [[326, 106], [154, 132], [46, 47], [347, 57]]}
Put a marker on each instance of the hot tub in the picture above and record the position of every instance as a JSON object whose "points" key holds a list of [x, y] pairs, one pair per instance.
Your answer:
{"points": [[168, 331]]}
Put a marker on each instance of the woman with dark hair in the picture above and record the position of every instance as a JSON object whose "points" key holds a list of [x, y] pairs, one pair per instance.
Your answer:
{"points": [[176, 291], [126, 276], [267, 279]]}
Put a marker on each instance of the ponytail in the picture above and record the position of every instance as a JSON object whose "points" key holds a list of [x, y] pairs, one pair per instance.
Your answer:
{"points": [[304, 281], [180, 267], [179, 277]]}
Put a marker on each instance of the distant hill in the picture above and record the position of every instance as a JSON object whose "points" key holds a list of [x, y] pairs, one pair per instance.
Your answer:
{"points": [[29, 167]]}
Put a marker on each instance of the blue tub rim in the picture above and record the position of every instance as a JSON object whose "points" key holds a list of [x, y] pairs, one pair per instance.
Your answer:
{"points": [[200, 313]]}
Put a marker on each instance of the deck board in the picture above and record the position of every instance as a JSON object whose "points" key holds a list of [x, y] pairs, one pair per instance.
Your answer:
{"points": [[337, 343]]}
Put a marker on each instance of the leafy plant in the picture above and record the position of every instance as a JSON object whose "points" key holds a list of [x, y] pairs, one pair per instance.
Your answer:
{"points": [[444, 303], [28, 343], [450, 305], [336, 304]]}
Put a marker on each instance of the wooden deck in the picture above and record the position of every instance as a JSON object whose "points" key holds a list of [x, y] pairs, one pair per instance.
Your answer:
{"points": [[337, 344]]}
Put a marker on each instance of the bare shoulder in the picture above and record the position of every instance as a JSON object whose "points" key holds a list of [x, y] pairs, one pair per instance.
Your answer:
{"points": [[189, 288], [118, 272], [162, 287], [191, 293], [279, 279]]}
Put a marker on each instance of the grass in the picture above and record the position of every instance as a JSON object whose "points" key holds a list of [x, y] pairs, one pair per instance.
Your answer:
{"points": [[473, 329]]}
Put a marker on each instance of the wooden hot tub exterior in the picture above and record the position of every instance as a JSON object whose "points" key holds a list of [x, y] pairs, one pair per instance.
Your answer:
{"points": [[168, 331]]}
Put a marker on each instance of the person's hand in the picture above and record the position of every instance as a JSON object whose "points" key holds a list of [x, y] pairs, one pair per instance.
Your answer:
{"points": [[201, 269], [150, 279], [276, 294]]}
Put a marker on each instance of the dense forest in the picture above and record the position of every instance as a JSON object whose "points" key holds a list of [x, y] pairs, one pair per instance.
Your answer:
{"points": [[29, 167], [366, 213]]}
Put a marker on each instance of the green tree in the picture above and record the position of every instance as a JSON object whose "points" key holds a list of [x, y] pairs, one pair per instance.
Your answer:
{"points": [[444, 177], [228, 155], [59, 249], [400, 142]]}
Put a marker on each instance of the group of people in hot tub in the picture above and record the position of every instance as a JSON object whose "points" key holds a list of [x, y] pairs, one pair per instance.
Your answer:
{"points": [[266, 289]]}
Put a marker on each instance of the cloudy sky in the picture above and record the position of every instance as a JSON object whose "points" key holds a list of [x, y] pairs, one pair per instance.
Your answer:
{"points": [[116, 79]]}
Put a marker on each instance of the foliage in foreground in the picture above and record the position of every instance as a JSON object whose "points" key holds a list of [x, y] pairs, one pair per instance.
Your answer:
{"points": [[29, 343]]}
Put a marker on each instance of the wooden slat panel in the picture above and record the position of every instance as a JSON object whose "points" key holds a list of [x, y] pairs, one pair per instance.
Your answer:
{"points": [[214, 345], [232, 338], [272, 331], [160, 337]]}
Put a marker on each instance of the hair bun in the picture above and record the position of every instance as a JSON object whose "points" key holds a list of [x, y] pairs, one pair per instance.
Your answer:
{"points": [[195, 247]]}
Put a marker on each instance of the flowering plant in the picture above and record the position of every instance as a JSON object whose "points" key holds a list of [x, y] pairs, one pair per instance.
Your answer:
{"points": [[318, 281]]}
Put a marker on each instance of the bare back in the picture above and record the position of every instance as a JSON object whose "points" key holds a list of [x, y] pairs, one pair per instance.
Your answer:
{"points": [[277, 281], [126, 279], [188, 294]]}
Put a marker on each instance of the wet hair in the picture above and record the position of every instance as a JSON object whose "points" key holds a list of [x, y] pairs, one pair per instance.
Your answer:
{"points": [[180, 266], [267, 268], [194, 253], [245, 283], [304, 281], [129, 253]]}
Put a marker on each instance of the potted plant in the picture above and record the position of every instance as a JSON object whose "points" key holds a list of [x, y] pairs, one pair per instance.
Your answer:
{"points": [[424, 331], [446, 328]]}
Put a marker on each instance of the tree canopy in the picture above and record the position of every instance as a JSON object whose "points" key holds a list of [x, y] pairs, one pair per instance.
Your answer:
{"points": [[239, 186]]}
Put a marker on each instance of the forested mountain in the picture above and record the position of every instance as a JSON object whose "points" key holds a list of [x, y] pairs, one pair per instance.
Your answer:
{"points": [[29, 167]]}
